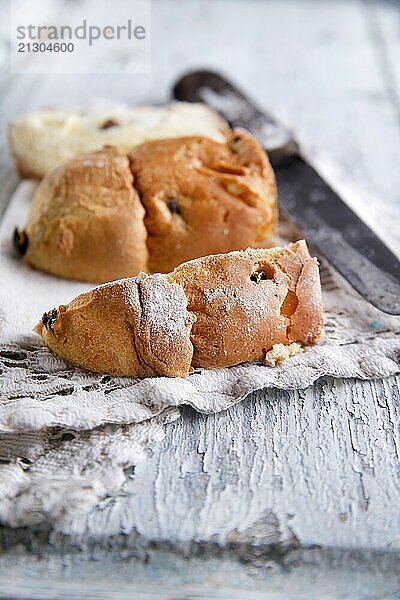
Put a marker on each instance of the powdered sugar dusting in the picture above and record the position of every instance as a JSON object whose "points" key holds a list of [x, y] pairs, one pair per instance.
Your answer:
{"points": [[212, 294], [165, 307], [162, 305], [239, 296], [126, 287]]}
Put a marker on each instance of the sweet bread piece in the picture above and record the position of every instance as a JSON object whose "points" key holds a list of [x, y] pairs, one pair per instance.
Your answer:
{"points": [[203, 197], [246, 302], [138, 326], [45, 139], [86, 220], [107, 215], [215, 311]]}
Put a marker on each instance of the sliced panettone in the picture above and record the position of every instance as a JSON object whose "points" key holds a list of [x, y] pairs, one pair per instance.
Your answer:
{"points": [[203, 197], [246, 302], [102, 216], [215, 311], [45, 139], [138, 326], [86, 220]]}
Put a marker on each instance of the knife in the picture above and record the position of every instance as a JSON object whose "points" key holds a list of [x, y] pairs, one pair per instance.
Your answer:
{"points": [[338, 233]]}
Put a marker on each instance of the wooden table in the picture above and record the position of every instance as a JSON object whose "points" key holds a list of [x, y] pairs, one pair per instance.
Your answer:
{"points": [[287, 495]]}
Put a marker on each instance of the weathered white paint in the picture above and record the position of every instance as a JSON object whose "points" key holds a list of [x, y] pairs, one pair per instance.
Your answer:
{"points": [[313, 467], [318, 466]]}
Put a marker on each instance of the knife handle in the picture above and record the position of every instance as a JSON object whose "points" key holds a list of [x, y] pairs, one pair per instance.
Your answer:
{"points": [[225, 98]]}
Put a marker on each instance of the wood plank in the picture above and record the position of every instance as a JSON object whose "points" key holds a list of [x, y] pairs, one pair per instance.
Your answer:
{"points": [[108, 574], [320, 466], [313, 467], [384, 28], [127, 566]]}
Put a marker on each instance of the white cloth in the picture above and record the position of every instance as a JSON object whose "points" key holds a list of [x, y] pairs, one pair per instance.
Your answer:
{"points": [[67, 435]]}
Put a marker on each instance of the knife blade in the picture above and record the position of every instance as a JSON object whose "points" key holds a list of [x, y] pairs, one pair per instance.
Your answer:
{"points": [[348, 244]]}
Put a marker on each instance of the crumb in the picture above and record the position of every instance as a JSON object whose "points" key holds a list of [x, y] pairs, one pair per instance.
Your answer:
{"points": [[280, 352]]}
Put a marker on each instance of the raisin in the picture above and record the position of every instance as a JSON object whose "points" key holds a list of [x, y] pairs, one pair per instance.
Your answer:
{"points": [[174, 205], [49, 319], [109, 123], [20, 241], [258, 276]]}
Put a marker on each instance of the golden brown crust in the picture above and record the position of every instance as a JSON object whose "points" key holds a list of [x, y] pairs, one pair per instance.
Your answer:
{"points": [[138, 327], [245, 302], [86, 220], [202, 197], [215, 311]]}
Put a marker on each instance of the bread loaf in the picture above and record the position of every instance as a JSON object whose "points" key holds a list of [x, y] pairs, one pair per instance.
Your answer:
{"points": [[214, 311], [86, 220], [138, 326], [203, 197], [43, 140], [106, 215]]}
